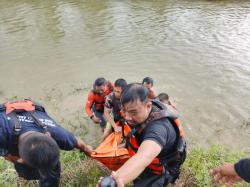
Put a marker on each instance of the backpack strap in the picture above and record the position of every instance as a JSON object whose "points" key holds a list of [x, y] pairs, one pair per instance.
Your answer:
{"points": [[38, 122], [16, 123]]}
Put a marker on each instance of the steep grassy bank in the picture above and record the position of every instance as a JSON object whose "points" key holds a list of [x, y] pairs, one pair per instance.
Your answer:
{"points": [[78, 170], [199, 161]]}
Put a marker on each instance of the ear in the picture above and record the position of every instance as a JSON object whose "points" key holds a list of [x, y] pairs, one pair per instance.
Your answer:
{"points": [[20, 161], [149, 105]]}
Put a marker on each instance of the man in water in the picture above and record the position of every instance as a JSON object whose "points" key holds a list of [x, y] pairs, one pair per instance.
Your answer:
{"points": [[112, 109], [96, 99], [149, 83]]}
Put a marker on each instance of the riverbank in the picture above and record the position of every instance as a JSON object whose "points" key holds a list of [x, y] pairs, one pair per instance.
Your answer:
{"points": [[78, 170]]}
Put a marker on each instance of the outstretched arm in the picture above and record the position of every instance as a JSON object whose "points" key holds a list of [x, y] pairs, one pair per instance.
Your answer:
{"points": [[225, 174], [87, 149], [109, 118], [137, 164]]}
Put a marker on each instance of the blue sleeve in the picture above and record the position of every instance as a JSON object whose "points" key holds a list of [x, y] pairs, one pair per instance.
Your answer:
{"points": [[64, 139], [242, 168], [5, 131]]}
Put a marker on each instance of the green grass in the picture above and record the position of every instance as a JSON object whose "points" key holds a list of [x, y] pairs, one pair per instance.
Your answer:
{"points": [[79, 170], [196, 168]]}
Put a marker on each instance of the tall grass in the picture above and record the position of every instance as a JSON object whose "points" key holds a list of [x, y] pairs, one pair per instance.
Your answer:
{"points": [[195, 171], [79, 170]]}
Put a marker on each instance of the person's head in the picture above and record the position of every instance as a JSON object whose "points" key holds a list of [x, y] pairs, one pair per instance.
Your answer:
{"points": [[119, 86], [100, 85], [148, 82], [163, 97], [39, 151], [135, 103]]}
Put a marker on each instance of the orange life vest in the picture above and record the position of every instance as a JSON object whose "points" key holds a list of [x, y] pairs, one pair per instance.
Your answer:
{"points": [[97, 100], [157, 166]]}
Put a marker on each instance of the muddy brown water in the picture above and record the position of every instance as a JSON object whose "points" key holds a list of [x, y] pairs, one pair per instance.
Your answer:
{"points": [[196, 51]]}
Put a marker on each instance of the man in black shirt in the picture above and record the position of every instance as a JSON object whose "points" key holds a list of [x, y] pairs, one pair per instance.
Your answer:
{"points": [[153, 137], [112, 108]]}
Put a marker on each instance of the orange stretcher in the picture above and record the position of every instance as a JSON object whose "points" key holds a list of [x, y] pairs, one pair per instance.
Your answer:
{"points": [[110, 154]]}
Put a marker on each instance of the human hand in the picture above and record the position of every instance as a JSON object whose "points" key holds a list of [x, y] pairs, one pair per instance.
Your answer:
{"points": [[117, 129], [119, 182], [88, 150], [225, 174], [116, 179], [96, 120], [83, 147]]}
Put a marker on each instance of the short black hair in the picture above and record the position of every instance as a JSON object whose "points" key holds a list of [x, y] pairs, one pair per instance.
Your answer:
{"points": [[148, 80], [39, 151], [133, 92], [120, 83], [100, 81], [162, 97]]}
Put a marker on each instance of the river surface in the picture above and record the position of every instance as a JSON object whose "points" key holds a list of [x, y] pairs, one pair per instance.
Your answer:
{"points": [[196, 51]]}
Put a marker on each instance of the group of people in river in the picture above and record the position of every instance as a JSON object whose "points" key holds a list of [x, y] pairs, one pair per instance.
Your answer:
{"points": [[32, 140], [103, 104]]}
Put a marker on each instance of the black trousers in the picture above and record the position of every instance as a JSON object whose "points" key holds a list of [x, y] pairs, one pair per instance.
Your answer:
{"points": [[149, 179], [48, 178]]}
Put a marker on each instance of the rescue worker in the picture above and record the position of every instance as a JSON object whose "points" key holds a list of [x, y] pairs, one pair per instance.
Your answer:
{"points": [[96, 99], [112, 109], [155, 143], [231, 173], [164, 98], [32, 140], [149, 83]]}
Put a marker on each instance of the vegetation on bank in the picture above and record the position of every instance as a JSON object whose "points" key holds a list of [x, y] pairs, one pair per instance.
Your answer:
{"points": [[199, 161], [78, 170]]}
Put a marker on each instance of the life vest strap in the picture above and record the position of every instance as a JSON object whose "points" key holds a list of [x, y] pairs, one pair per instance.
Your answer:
{"points": [[13, 108], [16, 123]]}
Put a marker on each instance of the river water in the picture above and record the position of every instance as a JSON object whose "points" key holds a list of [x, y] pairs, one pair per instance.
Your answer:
{"points": [[196, 51]]}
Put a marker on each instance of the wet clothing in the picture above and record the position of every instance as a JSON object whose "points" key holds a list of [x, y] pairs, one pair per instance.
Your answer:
{"points": [[114, 104], [9, 144], [95, 104], [164, 134], [100, 115], [97, 101], [242, 168]]}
